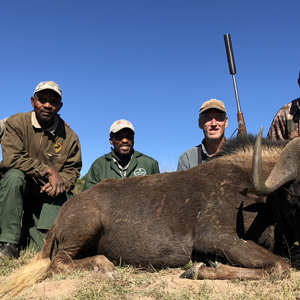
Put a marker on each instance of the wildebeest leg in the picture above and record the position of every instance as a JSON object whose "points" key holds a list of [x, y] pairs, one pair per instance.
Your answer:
{"points": [[238, 252], [77, 241], [64, 262], [220, 271]]}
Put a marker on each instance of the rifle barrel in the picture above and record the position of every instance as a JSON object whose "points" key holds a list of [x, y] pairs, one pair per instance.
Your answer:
{"points": [[236, 94], [232, 70]]}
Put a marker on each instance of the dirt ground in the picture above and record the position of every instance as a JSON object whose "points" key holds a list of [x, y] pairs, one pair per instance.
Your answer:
{"points": [[163, 285]]}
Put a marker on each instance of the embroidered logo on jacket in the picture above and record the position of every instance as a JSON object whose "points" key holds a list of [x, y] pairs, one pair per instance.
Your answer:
{"points": [[57, 147], [139, 172]]}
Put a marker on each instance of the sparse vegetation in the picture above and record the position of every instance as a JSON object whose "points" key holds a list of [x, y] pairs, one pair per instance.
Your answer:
{"points": [[7, 265], [79, 185], [135, 283]]}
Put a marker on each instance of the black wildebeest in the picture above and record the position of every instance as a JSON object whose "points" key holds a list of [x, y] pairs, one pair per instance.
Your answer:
{"points": [[165, 219]]}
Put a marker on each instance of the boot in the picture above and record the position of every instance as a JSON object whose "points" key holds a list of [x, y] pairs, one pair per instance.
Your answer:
{"points": [[9, 250]]}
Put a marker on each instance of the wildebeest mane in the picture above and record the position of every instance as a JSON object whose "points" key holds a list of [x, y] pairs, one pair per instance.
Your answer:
{"points": [[245, 143]]}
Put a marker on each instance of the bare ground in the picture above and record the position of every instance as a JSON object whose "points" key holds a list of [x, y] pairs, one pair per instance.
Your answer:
{"points": [[165, 284]]}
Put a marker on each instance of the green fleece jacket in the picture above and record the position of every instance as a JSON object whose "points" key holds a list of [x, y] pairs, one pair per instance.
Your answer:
{"points": [[104, 167]]}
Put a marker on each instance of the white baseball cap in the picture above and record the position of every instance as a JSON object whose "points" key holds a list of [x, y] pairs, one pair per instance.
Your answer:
{"points": [[119, 125], [48, 85]]}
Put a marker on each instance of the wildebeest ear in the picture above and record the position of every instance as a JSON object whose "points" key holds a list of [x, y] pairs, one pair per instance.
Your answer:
{"points": [[248, 192]]}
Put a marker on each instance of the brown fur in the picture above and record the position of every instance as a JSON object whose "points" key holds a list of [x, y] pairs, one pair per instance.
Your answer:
{"points": [[165, 219]]}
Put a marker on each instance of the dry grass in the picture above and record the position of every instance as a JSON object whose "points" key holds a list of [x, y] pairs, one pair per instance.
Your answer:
{"points": [[166, 285], [134, 283], [26, 276]]}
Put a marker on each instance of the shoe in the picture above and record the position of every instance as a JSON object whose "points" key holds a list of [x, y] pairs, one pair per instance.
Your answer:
{"points": [[9, 250]]}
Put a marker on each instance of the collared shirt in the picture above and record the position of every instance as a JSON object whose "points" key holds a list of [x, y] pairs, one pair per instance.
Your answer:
{"points": [[36, 123], [190, 158], [204, 155], [123, 170]]}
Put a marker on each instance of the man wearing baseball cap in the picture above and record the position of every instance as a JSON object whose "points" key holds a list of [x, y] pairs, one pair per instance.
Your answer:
{"points": [[122, 161], [41, 163], [213, 121]]}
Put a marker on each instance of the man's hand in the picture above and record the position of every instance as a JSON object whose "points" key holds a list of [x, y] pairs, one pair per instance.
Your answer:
{"points": [[55, 186]]}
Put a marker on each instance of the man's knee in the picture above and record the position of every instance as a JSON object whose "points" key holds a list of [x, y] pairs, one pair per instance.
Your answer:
{"points": [[13, 177]]}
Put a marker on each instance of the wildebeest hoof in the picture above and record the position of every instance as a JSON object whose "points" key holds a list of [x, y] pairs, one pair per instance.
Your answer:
{"points": [[216, 264], [192, 273], [113, 275]]}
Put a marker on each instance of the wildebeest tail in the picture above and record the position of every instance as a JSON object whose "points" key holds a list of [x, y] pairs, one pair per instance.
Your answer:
{"points": [[35, 271], [50, 248]]}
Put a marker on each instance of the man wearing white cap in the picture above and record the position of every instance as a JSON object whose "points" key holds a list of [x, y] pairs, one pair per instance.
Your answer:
{"points": [[41, 163], [123, 160], [213, 121]]}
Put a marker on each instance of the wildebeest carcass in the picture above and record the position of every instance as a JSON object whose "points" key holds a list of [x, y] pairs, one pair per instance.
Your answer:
{"points": [[165, 219]]}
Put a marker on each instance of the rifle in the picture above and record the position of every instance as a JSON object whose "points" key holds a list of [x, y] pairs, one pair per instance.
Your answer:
{"points": [[232, 70]]}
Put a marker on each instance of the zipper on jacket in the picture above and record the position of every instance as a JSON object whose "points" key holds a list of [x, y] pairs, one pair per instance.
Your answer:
{"points": [[40, 144]]}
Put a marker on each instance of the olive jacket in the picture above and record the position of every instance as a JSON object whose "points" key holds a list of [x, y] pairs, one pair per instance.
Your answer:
{"points": [[31, 149]]}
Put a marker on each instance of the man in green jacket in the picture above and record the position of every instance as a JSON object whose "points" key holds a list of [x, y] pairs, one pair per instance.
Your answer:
{"points": [[123, 160], [41, 163]]}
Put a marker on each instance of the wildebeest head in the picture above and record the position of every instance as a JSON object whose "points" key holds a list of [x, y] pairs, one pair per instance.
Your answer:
{"points": [[286, 170], [282, 185]]}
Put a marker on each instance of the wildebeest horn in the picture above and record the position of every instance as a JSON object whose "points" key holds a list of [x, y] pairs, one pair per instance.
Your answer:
{"points": [[285, 170]]}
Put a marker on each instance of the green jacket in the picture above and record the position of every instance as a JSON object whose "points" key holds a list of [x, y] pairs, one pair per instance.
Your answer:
{"points": [[104, 167]]}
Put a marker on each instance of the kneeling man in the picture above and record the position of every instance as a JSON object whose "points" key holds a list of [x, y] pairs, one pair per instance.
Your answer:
{"points": [[41, 163], [123, 160], [213, 121]]}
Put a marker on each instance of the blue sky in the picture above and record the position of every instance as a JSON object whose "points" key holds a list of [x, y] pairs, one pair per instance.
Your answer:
{"points": [[151, 62]]}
